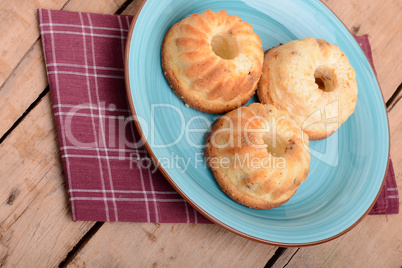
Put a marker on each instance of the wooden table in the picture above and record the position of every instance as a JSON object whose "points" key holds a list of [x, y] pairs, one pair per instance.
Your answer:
{"points": [[36, 229]]}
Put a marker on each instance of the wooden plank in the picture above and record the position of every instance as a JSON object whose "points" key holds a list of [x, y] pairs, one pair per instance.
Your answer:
{"points": [[382, 21], [103, 7], [172, 245], [22, 88], [375, 242], [36, 229], [27, 79], [19, 30], [19, 26]]}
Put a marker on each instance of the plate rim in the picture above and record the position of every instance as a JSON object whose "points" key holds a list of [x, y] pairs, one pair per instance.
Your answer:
{"points": [[195, 205]]}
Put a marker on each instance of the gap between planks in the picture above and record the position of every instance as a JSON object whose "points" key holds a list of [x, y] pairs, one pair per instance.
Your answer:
{"points": [[24, 114], [83, 241], [393, 100], [278, 253]]}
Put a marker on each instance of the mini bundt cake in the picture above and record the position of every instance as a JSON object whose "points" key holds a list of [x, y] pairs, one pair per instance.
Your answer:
{"points": [[313, 80], [259, 155], [212, 61]]}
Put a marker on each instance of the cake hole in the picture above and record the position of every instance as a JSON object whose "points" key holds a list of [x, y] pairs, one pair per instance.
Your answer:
{"points": [[224, 46], [325, 78], [276, 145]]}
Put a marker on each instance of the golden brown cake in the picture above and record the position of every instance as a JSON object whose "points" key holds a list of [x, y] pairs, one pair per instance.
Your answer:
{"points": [[212, 61], [259, 155], [313, 80]]}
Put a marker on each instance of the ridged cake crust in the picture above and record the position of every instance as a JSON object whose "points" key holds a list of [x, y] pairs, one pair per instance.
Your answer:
{"points": [[259, 155], [200, 77], [289, 82]]}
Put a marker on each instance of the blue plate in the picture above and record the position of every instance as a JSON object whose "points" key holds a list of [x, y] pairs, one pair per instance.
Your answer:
{"points": [[346, 170]]}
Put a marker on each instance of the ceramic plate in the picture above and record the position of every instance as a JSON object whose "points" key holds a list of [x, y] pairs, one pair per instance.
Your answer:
{"points": [[346, 170]]}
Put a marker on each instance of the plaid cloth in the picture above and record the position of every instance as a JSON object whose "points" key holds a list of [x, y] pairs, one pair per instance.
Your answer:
{"points": [[388, 200], [108, 177]]}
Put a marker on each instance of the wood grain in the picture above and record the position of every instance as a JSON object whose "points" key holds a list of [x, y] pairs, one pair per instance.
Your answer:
{"points": [[23, 87], [170, 245], [19, 30], [27, 79], [36, 227], [375, 242], [382, 21]]}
